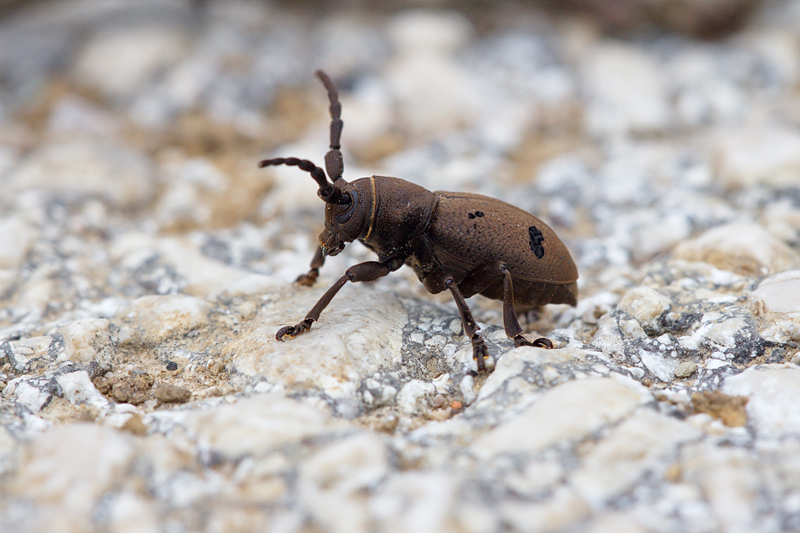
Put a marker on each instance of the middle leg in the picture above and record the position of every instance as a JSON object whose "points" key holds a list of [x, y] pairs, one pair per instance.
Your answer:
{"points": [[479, 350], [488, 274]]}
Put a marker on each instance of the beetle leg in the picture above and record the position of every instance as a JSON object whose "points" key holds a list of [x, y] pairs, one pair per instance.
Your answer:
{"points": [[367, 271], [479, 350], [308, 279], [510, 320]]}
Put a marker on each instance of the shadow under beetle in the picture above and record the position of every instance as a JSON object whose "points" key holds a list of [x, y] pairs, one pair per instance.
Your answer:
{"points": [[466, 243]]}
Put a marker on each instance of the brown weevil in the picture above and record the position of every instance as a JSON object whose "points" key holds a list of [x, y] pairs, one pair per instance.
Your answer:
{"points": [[466, 243]]}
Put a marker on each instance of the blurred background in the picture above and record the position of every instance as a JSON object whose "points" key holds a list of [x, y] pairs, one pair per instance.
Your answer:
{"points": [[629, 125]]}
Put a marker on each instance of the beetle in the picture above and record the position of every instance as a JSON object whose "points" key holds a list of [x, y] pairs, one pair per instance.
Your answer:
{"points": [[465, 243]]}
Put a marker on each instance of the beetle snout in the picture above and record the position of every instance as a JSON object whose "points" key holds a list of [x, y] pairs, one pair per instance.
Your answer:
{"points": [[330, 243]]}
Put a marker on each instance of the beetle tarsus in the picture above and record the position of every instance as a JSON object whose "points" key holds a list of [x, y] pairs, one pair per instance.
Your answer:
{"points": [[307, 280], [479, 352], [541, 342], [293, 331]]}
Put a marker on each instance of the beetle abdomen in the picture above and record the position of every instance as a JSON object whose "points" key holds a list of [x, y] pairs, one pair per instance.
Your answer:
{"points": [[471, 229]]}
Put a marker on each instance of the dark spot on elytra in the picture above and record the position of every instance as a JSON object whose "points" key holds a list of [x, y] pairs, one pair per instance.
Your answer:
{"points": [[535, 242], [478, 214]]}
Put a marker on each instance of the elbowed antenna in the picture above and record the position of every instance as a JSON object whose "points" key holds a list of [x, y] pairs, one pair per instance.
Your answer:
{"points": [[330, 194], [334, 163]]}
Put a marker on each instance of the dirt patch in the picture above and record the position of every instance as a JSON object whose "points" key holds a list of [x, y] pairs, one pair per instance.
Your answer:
{"points": [[729, 409]]}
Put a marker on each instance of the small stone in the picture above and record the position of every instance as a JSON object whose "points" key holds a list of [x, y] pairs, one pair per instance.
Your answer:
{"points": [[103, 384], [776, 302], [685, 369], [172, 366], [134, 389], [31, 396], [257, 425], [411, 396], [79, 389], [661, 365], [387, 424], [70, 467], [645, 305], [438, 401], [86, 339], [627, 452], [118, 60], [336, 354], [729, 409], [168, 393]]}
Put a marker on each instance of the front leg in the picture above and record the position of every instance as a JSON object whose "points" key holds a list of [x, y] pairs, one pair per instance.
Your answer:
{"points": [[367, 271], [317, 261]]}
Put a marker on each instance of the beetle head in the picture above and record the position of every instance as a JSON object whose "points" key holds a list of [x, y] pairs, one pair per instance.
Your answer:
{"points": [[349, 218]]}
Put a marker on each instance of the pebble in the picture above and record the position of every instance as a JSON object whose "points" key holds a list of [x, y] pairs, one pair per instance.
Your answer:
{"points": [[168, 393], [78, 388], [86, 340], [685, 369], [645, 305]]}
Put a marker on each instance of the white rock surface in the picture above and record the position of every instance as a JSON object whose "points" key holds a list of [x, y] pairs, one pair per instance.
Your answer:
{"points": [[66, 469], [119, 60], [79, 389], [773, 392], [582, 407], [86, 340], [758, 155], [776, 301], [257, 425], [627, 90], [137, 259], [82, 167], [741, 247], [159, 317], [16, 239], [358, 334], [645, 305]]}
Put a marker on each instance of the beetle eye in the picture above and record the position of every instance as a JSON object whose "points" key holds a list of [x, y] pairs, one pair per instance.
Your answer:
{"points": [[353, 201]]}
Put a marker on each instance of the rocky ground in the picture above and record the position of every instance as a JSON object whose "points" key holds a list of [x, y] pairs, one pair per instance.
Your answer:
{"points": [[146, 264]]}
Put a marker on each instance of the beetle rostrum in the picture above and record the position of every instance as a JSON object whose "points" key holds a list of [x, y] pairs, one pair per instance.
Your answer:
{"points": [[465, 243]]}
